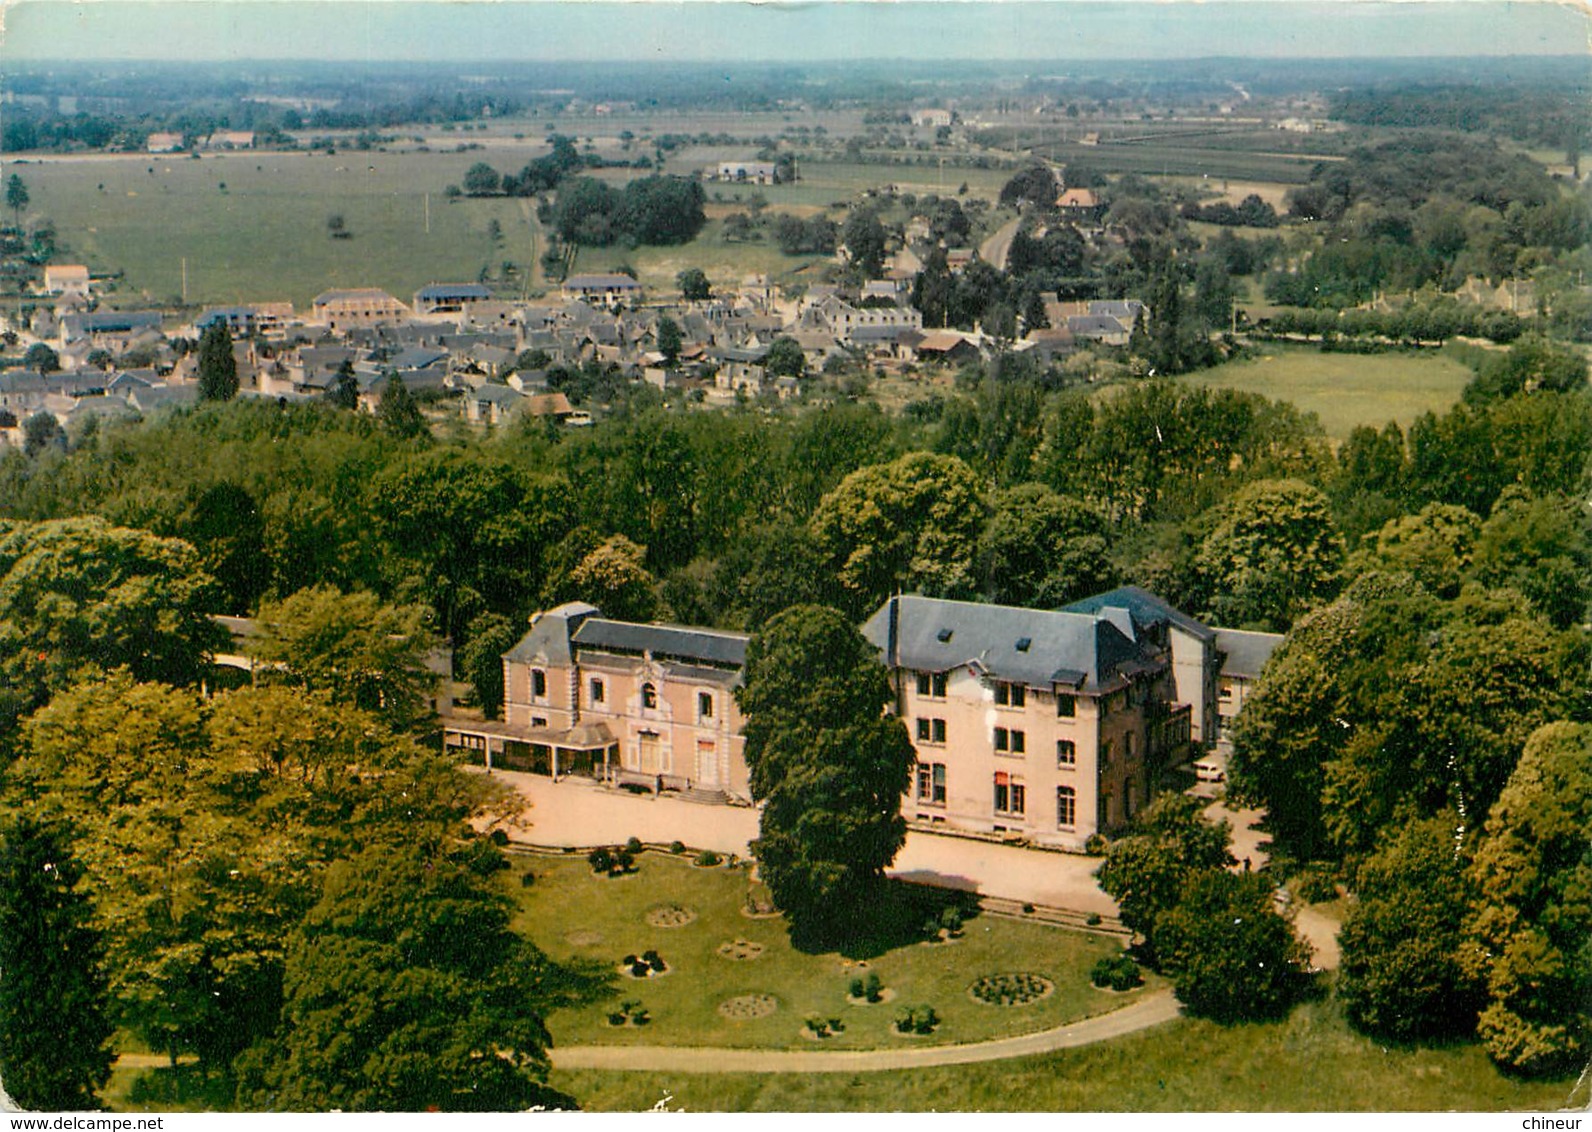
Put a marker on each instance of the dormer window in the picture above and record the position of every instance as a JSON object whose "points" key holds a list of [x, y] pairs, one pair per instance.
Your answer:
{"points": [[943, 636], [1024, 643], [649, 696]]}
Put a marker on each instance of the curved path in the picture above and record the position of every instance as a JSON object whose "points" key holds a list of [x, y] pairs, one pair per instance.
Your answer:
{"points": [[1151, 1010]]}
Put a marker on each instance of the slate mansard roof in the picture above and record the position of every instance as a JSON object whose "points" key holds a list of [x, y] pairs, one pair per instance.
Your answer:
{"points": [[558, 635], [1032, 647]]}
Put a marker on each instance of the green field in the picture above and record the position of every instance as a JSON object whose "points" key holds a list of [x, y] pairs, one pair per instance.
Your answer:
{"points": [[1311, 1062], [601, 920], [265, 236], [1345, 390]]}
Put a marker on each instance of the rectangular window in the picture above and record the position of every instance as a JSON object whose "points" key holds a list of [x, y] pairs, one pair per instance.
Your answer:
{"points": [[1066, 807], [597, 691], [1066, 752], [931, 783], [1010, 742], [1019, 743], [1009, 795], [923, 683], [538, 684], [939, 730], [1003, 740], [923, 731], [938, 686], [705, 705], [1225, 693], [1011, 695], [1066, 706], [931, 685]]}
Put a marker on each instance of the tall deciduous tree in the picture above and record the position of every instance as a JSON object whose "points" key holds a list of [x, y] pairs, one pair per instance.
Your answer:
{"points": [[1533, 912], [669, 340], [693, 284], [785, 358], [351, 648], [345, 393], [16, 196], [910, 524], [407, 992], [481, 659], [81, 594], [218, 369], [54, 1025], [1273, 554], [828, 766], [1401, 976], [1171, 842], [1042, 549]]}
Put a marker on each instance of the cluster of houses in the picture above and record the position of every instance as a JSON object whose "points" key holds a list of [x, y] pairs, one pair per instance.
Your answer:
{"points": [[458, 344], [1032, 726]]}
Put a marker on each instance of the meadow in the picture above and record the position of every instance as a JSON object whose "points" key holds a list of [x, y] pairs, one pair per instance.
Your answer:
{"points": [[252, 227], [1345, 390], [1309, 1062]]}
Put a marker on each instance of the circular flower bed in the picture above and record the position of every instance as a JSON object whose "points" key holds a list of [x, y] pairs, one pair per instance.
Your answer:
{"points": [[644, 966], [741, 949], [746, 1006], [1018, 989], [584, 937], [670, 916]]}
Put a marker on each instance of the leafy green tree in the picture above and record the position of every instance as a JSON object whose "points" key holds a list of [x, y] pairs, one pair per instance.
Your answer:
{"points": [[54, 1023], [785, 358], [41, 431], [80, 594], [16, 197], [1435, 545], [1042, 549], [345, 394], [1542, 547], [398, 413], [913, 523], [864, 237], [42, 358], [1532, 915], [694, 285], [1231, 956], [1144, 872], [613, 576], [1273, 554], [828, 766], [218, 369], [224, 524], [669, 340], [1401, 975], [406, 991], [351, 648], [481, 180], [481, 659]]}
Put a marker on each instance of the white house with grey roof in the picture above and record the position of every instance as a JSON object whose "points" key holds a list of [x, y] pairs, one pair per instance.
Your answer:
{"points": [[1045, 727]]}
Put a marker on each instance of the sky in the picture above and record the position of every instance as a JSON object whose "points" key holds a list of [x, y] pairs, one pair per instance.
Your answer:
{"points": [[783, 30]]}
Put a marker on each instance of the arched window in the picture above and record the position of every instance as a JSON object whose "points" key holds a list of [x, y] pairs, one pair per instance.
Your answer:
{"points": [[1066, 807], [649, 696]]}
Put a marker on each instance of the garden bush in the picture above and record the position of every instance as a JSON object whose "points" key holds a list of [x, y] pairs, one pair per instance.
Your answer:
{"points": [[634, 846], [708, 858], [917, 1020], [677, 847], [1119, 972]]}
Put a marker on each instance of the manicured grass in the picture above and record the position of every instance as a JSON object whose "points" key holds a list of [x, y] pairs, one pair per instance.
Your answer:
{"points": [[265, 237], [572, 914], [187, 1088], [1345, 390], [1311, 1062]]}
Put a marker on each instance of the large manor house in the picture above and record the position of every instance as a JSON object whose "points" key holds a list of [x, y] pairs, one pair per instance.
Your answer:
{"points": [[1034, 726]]}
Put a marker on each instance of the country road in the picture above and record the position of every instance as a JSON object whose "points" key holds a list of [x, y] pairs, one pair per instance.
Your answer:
{"points": [[994, 250]]}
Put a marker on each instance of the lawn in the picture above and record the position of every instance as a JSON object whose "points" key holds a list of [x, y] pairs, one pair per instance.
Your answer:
{"points": [[573, 914], [1345, 390], [265, 236], [1311, 1062]]}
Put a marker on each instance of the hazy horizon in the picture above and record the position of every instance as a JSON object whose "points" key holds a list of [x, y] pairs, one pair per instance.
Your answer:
{"points": [[739, 32]]}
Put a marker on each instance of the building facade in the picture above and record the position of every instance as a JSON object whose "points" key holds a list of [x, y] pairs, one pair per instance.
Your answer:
{"points": [[645, 706]]}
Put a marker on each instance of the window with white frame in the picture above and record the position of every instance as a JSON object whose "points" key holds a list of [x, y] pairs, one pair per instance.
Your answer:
{"points": [[1009, 741], [1066, 807], [931, 784], [1066, 752]]}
